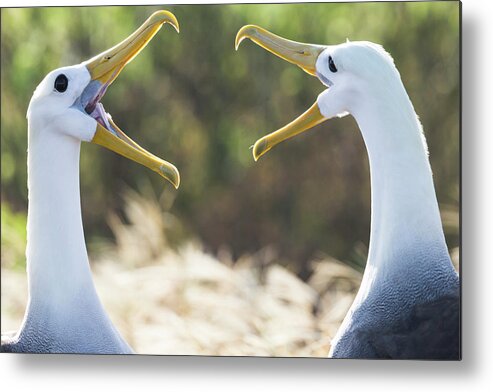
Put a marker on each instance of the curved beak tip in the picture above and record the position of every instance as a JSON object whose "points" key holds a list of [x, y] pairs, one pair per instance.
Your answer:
{"points": [[245, 32], [170, 173], [165, 17], [238, 40], [260, 148], [237, 43], [176, 184]]}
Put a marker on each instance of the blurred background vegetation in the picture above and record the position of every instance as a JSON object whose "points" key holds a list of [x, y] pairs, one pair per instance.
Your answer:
{"points": [[191, 99]]}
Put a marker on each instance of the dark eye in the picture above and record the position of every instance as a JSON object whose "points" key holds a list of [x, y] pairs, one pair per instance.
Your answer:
{"points": [[61, 83], [332, 66]]}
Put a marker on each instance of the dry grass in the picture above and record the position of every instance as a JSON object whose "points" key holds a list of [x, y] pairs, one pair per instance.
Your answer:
{"points": [[187, 302]]}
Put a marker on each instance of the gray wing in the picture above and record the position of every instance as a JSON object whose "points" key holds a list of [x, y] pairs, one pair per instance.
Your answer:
{"points": [[8, 345], [430, 331]]}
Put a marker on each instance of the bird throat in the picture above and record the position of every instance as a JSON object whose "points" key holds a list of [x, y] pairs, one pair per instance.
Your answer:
{"points": [[57, 262], [405, 214], [63, 308]]}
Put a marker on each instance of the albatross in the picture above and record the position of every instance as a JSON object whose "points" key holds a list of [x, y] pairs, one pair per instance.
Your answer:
{"points": [[408, 304], [64, 313]]}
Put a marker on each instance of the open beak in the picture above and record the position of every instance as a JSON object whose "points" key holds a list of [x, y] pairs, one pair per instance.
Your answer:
{"points": [[104, 69], [304, 56]]}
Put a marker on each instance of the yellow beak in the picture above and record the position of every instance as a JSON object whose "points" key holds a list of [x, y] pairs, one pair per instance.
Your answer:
{"points": [[304, 122], [304, 56], [104, 68]]}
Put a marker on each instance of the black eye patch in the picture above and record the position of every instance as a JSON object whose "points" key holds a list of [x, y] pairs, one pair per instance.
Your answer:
{"points": [[332, 66], [61, 83]]}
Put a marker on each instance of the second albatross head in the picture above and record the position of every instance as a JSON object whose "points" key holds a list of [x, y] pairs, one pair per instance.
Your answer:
{"points": [[67, 101], [350, 71]]}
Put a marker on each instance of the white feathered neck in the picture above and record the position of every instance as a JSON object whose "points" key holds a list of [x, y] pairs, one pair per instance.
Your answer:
{"points": [[57, 261], [405, 217], [64, 311]]}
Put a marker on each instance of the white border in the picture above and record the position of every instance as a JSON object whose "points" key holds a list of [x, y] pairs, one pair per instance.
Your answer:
{"points": [[474, 373]]}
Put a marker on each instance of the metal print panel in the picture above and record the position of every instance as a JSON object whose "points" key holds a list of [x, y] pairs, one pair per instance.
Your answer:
{"points": [[275, 180]]}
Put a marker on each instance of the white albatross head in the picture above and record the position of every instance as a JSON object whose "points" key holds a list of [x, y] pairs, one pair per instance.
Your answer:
{"points": [[349, 71], [53, 104], [67, 101]]}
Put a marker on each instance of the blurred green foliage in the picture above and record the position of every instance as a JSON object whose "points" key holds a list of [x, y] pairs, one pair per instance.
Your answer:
{"points": [[14, 233], [191, 99]]}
